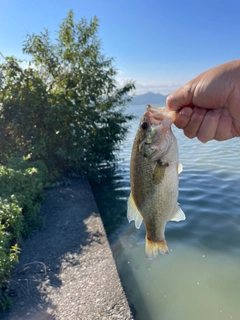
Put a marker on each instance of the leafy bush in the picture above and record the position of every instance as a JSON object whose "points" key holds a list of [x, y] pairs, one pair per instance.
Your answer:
{"points": [[21, 190], [27, 186], [65, 108], [66, 111]]}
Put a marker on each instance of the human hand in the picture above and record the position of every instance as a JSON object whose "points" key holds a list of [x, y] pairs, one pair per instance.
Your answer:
{"points": [[209, 105]]}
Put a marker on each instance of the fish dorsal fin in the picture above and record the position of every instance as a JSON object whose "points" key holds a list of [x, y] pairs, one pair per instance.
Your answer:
{"points": [[179, 215], [180, 168], [133, 213]]}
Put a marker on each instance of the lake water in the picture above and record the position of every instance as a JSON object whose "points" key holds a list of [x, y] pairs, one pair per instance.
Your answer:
{"points": [[200, 277]]}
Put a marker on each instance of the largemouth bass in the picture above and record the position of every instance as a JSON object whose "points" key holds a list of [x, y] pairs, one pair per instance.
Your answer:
{"points": [[154, 170]]}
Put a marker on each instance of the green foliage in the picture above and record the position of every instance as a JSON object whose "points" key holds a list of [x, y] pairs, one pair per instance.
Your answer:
{"points": [[62, 112], [26, 183], [21, 189], [65, 108]]}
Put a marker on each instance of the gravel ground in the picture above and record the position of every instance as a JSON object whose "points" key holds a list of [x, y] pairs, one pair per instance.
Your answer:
{"points": [[66, 271]]}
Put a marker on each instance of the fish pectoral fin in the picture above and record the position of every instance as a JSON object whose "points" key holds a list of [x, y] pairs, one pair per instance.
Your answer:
{"points": [[180, 168], [178, 215], [159, 171], [133, 212]]}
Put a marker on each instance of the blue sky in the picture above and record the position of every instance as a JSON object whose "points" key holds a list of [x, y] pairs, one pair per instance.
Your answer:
{"points": [[160, 44]]}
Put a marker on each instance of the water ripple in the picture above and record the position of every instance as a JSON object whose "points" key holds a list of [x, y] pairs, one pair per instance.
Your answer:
{"points": [[200, 278]]}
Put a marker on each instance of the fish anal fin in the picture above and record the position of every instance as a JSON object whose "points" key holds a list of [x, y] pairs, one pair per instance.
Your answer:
{"points": [[180, 168], [153, 248], [178, 215], [133, 212]]}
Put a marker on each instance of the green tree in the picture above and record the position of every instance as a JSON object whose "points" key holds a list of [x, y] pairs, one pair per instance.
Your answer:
{"points": [[65, 106]]}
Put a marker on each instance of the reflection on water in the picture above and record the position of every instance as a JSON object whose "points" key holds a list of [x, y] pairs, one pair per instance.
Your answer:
{"points": [[200, 278], [111, 195]]}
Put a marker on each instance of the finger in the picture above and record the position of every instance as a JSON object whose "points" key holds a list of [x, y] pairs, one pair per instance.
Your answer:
{"points": [[224, 130], [179, 98], [195, 122], [183, 118], [209, 126]]}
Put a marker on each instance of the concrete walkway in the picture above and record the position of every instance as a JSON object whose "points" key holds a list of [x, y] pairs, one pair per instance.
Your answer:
{"points": [[66, 270]]}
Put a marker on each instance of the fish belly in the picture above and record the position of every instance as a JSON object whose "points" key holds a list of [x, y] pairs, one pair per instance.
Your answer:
{"points": [[157, 205], [160, 207]]}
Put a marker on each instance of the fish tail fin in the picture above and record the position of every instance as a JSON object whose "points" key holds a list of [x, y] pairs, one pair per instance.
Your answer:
{"points": [[153, 248]]}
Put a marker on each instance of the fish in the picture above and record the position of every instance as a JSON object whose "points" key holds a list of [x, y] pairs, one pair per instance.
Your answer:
{"points": [[154, 170]]}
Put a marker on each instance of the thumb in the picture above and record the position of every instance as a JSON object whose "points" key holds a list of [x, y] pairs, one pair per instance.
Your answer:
{"points": [[179, 99]]}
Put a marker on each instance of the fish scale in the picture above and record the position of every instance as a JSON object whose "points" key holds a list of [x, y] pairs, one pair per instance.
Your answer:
{"points": [[154, 170]]}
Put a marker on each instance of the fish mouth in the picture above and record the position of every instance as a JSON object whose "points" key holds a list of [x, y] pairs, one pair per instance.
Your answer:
{"points": [[157, 114]]}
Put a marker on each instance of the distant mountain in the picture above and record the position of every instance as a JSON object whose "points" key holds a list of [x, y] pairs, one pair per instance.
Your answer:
{"points": [[149, 98]]}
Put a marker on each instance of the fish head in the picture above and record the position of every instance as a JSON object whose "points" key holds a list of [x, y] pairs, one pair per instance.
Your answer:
{"points": [[155, 132]]}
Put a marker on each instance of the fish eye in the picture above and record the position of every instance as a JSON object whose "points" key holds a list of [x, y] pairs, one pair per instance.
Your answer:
{"points": [[144, 125]]}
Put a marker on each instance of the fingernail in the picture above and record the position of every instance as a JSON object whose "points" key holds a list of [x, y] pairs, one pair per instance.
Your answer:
{"points": [[186, 112]]}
